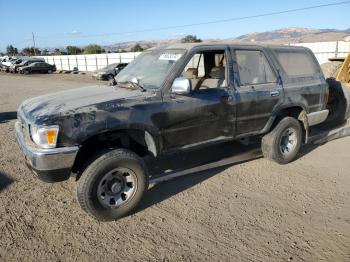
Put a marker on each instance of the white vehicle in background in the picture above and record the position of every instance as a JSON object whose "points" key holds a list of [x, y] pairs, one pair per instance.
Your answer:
{"points": [[7, 62]]}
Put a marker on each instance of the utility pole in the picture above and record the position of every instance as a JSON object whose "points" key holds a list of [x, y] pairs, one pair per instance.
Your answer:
{"points": [[34, 43]]}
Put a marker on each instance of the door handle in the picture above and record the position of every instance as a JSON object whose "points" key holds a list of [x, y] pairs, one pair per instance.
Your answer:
{"points": [[274, 93]]}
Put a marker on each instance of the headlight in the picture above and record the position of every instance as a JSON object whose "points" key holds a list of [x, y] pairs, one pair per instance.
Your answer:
{"points": [[44, 136]]}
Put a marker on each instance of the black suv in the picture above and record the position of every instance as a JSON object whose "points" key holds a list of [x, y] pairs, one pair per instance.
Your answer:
{"points": [[166, 100]]}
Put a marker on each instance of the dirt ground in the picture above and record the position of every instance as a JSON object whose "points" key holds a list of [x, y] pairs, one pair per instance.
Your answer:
{"points": [[254, 211]]}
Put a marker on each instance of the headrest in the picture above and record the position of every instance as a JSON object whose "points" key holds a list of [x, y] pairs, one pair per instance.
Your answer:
{"points": [[217, 72], [191, 73]]}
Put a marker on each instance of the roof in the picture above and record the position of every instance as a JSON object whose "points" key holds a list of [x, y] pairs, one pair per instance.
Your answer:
{"points": [[188, 46]]}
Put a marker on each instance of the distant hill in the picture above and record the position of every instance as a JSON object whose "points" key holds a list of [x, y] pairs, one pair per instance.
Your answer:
{"points": [[294, 35], [280, 36], [126, 46]]}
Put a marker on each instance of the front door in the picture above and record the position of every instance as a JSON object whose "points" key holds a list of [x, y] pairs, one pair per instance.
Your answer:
{"points": [[206, 114]]}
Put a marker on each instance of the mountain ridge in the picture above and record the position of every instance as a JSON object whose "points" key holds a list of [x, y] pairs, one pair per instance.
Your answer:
{"points": [[278, 36]]}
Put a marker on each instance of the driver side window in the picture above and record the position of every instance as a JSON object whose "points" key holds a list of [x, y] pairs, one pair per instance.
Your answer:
{"points": [[207, 70]]}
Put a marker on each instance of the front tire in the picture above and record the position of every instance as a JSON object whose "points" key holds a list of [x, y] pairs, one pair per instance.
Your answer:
{"points": [[282, 144], [112, 185]]}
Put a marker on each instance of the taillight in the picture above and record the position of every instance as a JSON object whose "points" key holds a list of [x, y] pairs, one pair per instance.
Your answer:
{"points": [[326, 95]]}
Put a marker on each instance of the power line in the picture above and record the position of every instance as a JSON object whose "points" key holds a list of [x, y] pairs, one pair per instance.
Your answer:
{"points": [[199, 23], [214, 21]]}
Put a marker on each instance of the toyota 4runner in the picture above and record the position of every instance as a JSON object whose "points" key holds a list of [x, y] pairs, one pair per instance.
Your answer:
{"points": [[170, 99]]}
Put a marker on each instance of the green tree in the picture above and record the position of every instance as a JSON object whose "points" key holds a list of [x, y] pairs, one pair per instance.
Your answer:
{"points": [[93, 49], [190, 39], [29, 51], [136, 48], [45, 52], [73, 50], [57, 51], [10, 50]]}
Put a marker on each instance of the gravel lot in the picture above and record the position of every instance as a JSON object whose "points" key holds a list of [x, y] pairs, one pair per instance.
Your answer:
{"points": [[254, 211]]}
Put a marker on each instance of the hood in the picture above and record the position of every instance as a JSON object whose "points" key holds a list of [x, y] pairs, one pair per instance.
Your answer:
{"points": [[75, 100], [104, 70]]}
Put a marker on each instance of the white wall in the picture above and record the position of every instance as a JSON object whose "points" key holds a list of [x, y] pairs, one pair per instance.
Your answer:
{"points": [[322, 51], [325, 50], [89, 62]]}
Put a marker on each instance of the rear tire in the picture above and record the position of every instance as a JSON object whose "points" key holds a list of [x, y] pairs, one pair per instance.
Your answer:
{"points": [[112, 185], [282, 144]]}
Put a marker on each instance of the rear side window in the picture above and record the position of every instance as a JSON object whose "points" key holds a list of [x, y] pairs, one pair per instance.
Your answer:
{"points": [[296, 62], [253, 68]]}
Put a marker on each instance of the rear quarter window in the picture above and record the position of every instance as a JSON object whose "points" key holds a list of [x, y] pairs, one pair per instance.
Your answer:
{"points": [[296, 62]]}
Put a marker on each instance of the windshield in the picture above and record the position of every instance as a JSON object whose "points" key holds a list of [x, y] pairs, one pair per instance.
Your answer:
{"points": [[150, 69], [110, 67]]}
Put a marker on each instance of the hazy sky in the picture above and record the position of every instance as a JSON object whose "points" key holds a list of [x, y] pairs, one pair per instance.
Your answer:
{"points": [[81, 22]]}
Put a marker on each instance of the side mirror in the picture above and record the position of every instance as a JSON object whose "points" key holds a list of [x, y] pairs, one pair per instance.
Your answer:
{"points": [[181, 86]]}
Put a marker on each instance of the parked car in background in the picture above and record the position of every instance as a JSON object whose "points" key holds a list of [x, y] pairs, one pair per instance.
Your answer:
{"points": [[37, 67], [14, 67], [109, 71], [5, 65], [2, 59]]}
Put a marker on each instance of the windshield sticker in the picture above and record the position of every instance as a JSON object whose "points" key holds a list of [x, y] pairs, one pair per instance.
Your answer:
{"points": [[169, 56]]}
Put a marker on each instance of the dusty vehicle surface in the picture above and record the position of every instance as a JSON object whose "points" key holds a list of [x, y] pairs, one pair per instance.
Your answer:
{"points": [[109, 71], [167, 100]]}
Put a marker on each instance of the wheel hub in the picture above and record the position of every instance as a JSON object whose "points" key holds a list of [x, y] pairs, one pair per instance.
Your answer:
{"points": [[288, 141], [117, 187]]}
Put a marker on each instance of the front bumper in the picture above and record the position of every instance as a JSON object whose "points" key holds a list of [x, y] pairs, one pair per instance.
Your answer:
{"points": [[100, 76], [51, 165]]}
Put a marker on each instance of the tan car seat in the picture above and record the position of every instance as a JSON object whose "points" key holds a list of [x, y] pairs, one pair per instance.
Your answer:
{"points": [[216, 78], [192, 74]]}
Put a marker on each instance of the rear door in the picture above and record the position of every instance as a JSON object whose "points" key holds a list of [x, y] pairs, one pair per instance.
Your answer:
{"points": [[304, 84], [43, 67], [258, 89], [35, 67], [47, 67]]}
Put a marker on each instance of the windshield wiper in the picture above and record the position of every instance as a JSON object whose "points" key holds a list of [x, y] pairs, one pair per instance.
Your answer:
{"points": [[134, 85]]}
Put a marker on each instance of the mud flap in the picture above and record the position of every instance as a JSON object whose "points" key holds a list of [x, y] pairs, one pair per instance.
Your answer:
{"points": [[303, 118]]}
